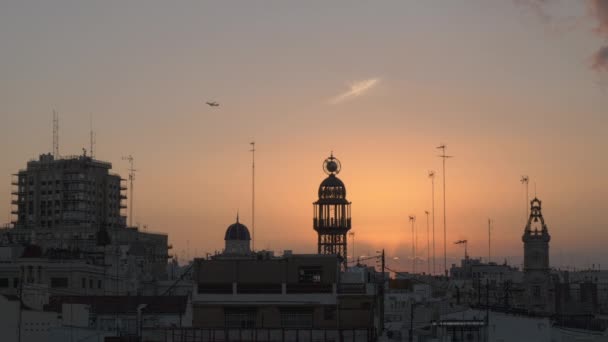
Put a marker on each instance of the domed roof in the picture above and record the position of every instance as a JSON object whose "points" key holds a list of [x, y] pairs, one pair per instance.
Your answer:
{"points": [[332, 188], [237, 231]]}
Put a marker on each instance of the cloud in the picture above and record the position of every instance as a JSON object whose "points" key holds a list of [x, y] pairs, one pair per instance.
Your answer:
{"points": [[356, 89], [599, 9], [600, 59]]}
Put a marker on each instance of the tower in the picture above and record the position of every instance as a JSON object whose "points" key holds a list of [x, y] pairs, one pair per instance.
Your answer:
{"points": [[536, 259], [237, 239], [332, 211]]}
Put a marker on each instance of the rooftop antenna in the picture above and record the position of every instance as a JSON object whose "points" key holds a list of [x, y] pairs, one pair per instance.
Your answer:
{"points": [[92, 138], [443, 156], [489, 240], [413, 221], [129, 158], [55, 134], [463, 242], [352, 235], [525, 180], [252, 194], [432, 177], [428, 243]]}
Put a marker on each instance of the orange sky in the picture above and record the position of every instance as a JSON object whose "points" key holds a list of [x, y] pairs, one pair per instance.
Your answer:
{"points": [[507, 95]]}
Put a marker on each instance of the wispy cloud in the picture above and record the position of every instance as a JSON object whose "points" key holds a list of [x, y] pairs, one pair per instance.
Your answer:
{"points": [[599, 13], [600, 9], [356, 89]]}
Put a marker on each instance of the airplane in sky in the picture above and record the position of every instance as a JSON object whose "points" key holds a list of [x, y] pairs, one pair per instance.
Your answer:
{"points": [[213, 104]]}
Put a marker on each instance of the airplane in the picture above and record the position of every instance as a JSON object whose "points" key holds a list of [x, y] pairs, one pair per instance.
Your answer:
{"points": [[213, 104]]}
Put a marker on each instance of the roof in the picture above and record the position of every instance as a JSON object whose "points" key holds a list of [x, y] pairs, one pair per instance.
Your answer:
{"points": [[332, 189], [122, 304], [237, 231]]}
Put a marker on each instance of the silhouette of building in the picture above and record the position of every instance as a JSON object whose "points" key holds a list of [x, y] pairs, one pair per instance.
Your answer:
{"points": [[73, 205], [238, 239], [537, 276], [71, 191], [332, 212]]}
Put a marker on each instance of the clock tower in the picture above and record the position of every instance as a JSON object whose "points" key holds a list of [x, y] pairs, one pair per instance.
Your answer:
{"points": [[536, 259]]}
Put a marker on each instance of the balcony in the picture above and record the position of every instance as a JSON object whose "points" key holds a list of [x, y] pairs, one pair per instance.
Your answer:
{"points": [[345, 288], [309, 288]]}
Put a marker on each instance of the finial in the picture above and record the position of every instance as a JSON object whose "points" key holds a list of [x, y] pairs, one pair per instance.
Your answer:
{"points": [[331, 165], [237, 216]]}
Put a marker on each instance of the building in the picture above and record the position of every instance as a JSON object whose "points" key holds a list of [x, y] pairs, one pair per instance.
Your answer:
{"points": [[88, 317], [332, 212], [75, 191], [70, 208], [537, 279], [240, 295]]}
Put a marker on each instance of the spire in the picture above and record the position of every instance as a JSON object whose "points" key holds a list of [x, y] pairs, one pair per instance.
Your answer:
{"points": [[237, 216], [536, 217]]}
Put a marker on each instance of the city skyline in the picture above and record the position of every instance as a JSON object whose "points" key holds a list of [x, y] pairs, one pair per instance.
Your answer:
{"points": [[381, 102]]}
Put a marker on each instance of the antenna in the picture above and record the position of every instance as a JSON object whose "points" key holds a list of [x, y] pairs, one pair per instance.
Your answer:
{"points": [[489, 240], [55, 134], [129, 158], [92, 138], [525, 180], [432, 177], [352, 235], [443, 156], [413, 221], [428, 243], [252, 194]]}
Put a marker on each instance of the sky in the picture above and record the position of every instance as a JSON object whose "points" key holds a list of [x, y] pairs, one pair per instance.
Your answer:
{"points": [[511, 87]]}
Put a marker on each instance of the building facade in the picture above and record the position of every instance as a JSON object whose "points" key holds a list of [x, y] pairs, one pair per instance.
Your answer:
{"points": [[537, 278], [71, 191]]}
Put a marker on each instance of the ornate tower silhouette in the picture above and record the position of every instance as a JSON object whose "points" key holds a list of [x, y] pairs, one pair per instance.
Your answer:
{"points": [[536, 259], [332, 212]]}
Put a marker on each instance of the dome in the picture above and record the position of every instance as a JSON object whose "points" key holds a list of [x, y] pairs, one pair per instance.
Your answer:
{"points": [[332, 188], [237, 231]]}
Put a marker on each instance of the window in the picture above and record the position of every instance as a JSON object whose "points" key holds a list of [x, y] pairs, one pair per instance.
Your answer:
{"points": [[15, 282], [296, 319], [536, 291], [239, 318], [3, 282], [329, 313], [59, 282], [84, 283], [98, 284], [310, 274]]}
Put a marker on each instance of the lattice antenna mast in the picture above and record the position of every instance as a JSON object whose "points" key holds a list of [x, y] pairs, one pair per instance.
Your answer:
{"points": [[432, 177], [55, 134], [443, 156], [413, 222], [525, 180], [252, 194], [132, 170]]}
